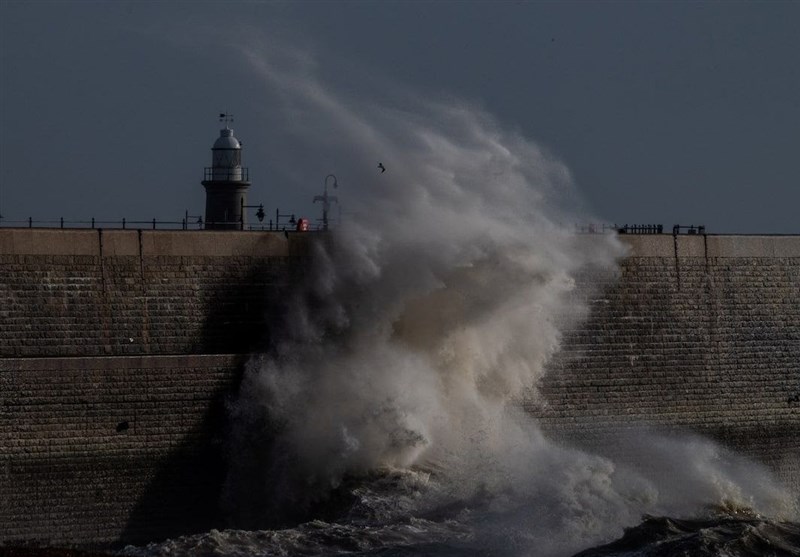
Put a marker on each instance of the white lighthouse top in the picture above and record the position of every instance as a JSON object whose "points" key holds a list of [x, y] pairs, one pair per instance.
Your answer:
{"points": [[226, 140]]}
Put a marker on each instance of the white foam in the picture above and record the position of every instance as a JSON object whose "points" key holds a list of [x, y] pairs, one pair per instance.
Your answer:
{"points": [[434, 308]]}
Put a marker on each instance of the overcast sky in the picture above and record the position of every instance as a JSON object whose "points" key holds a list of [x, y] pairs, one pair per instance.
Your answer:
{"points": [[667, 113]]}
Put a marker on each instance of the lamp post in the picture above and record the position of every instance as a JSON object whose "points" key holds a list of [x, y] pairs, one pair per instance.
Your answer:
{"points": [[327, 200], [278, 217], [260, 213]]}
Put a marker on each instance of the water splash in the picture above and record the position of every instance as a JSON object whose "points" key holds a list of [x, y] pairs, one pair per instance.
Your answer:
{"points": [[421, 323]]}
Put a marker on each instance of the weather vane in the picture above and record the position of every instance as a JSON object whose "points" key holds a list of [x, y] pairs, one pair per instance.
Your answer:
{"points": [[226, 117]]}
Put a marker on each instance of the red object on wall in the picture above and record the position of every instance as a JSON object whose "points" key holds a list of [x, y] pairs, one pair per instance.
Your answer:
{"points": [[302, 225]]}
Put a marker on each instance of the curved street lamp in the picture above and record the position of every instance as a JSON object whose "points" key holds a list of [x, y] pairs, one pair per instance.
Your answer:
{"points": [[327, 200]]}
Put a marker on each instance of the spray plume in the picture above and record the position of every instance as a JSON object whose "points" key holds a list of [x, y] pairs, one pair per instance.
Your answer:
{"points": [[434, 307]]}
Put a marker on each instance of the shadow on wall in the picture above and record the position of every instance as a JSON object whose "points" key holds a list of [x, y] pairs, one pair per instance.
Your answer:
{"points": [[183, 496], [241, 308]]}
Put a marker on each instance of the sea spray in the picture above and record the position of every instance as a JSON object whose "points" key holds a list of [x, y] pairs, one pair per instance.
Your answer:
{"points": [[436, 305], [422, 320]]}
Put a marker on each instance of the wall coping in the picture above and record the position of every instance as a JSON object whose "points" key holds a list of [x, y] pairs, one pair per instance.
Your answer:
{"points": [[711, 245], [106, 242]]}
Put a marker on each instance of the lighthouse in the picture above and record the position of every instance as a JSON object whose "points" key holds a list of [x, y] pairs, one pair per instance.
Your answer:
{"points": [[226, 182]]}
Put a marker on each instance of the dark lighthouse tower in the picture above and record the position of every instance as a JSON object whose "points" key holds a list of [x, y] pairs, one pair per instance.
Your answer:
{"points": [[226, 182]]}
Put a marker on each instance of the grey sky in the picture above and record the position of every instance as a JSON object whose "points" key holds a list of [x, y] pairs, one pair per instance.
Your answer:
{"points": [[664, 112]]}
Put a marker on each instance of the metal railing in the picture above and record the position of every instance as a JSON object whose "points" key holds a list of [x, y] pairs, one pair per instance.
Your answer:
{"points": [[287, 222], [98, 223], [604, 228], [124, 223], [192, 223], [691, 229], [240, 174]]}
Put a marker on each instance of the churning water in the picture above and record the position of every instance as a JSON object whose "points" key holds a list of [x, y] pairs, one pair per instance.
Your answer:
{"points": [[382, 417]]}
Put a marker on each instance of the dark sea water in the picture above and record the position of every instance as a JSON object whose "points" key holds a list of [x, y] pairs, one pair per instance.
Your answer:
{"points": [[719, 536], [401, 513], [724, 536]]}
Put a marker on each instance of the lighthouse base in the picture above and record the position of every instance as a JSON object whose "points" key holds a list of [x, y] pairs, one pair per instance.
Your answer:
{"points": [[224, 202]]}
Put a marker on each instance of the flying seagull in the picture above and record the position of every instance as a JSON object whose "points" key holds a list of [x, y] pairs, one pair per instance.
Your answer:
{"points": [[383, 168]]}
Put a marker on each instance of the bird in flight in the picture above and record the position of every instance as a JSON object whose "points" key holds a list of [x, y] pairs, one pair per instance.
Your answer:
{"points": [[383, 168]]}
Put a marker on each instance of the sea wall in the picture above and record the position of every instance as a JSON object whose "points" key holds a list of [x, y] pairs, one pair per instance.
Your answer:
{"points": [[101, 449], [118, 350], [691, 334], [126, 292]]}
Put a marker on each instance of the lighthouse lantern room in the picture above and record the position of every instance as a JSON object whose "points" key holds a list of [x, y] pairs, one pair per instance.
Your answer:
{"points": [[226, 182]]}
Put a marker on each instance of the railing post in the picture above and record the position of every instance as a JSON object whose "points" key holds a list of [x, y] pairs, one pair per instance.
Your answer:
{"points": [[123, 223], [154, 224], [62, 222], [92, 223], [30, 222]]}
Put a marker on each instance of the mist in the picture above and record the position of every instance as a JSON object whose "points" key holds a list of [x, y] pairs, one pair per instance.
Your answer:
{"points": [[434, 305]]}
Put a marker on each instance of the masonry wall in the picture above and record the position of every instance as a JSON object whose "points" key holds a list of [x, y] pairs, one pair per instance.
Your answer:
{"points": [[103, 293], [118, 350], [97, 450], [692, 334]]}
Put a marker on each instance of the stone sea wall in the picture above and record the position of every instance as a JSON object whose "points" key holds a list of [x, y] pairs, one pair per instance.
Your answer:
{"points": [[118, 350], [99, 449], [120, 293], [692, 334]]}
